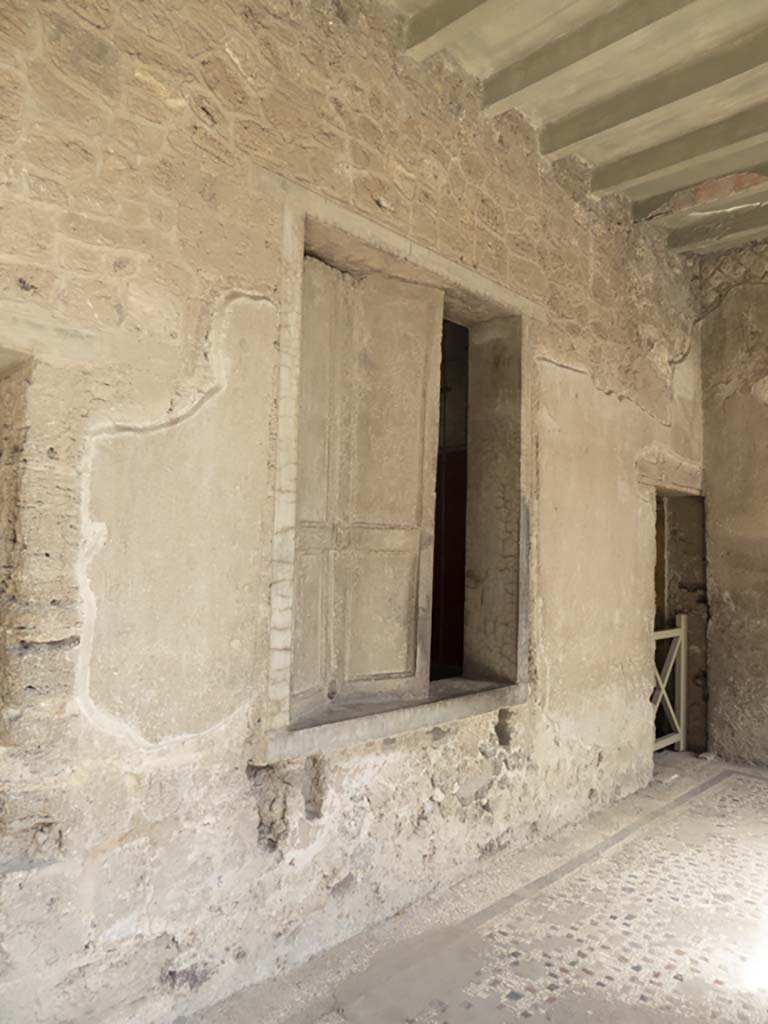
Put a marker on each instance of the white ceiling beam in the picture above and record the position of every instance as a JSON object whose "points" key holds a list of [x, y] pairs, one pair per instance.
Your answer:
{"points": [[665, 205], [713, 69], [746, 128], [723, 230], [441, 24], [501, 89]]}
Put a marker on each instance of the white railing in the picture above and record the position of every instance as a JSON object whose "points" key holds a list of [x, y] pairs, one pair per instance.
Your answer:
{"points": [[675, 706]]}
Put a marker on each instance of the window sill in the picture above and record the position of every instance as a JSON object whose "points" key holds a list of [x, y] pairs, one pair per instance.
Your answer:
{"points": [[347, 725]]}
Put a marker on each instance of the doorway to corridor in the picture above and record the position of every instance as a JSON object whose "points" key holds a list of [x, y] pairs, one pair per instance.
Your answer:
{"points": [[681, 590]]}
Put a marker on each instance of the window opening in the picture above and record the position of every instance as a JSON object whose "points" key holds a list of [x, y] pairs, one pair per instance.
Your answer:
{"points": [[447, 658]]}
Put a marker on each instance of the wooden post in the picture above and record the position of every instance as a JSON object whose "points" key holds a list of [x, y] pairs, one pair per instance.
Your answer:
{"points": [[681, 681]]}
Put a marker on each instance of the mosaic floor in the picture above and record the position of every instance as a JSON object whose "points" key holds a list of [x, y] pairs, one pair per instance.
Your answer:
{"points": [[664, 919]]}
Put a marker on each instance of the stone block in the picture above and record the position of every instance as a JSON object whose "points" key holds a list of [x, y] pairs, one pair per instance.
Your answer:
{"points": [[82, 54], [59, 150], [98, 13], [226, 80], [97, 231], [228, 249], [89, 301], [27, 283], [11, 100], [18, 37], [26, 231], [53, 98]]}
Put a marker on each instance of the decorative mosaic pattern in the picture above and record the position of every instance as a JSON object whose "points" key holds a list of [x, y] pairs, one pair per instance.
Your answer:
{"points": [[670, 925]]}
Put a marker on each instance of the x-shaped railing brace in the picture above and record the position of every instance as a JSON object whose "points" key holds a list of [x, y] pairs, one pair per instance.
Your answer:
{"points": [[662, 681]]}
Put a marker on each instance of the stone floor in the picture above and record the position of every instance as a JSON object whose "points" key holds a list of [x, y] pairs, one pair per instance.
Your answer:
{"points": [[654, 910]]}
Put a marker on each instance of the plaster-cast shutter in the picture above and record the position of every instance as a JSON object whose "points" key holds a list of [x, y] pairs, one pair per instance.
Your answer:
{"points": [[368, 420]]}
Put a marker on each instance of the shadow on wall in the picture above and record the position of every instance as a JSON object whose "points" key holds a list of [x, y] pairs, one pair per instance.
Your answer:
{"points": [[735, 365], [14, 381]]}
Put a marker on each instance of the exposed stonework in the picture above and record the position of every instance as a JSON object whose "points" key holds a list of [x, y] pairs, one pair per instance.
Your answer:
{"points": [[151, 865], [13, 393], [735, 360], [718, 274]]}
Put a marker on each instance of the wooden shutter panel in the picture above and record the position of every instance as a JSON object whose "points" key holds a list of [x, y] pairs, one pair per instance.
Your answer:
{"points": [[368, 418]]}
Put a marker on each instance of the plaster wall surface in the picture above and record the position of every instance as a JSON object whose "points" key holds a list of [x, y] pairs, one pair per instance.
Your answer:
{"points": [[150, 155], [493, 502], [735, 360], [191, 492]]}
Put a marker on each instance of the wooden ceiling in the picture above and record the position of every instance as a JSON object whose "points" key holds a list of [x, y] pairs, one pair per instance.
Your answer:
{"points": [[667, 100]]}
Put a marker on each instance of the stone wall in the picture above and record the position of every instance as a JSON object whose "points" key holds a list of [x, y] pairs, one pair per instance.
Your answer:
{"points": [[13, 393], [149, 150], [734, 293]]}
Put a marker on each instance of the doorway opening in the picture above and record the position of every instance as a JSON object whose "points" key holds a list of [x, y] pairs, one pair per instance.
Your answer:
{"points": [[681, 589], [450, 552]]}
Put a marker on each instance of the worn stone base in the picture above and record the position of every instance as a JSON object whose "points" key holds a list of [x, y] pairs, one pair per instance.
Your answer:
{"points": [[634, 915]]}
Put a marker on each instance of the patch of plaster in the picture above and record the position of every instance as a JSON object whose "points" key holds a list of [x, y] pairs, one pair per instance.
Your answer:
{"points": [[95, 534], [659, 466], [620, 395]]}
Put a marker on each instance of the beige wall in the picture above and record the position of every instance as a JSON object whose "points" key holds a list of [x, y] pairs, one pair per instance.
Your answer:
{"points": [[149, 155], [735, 361]]}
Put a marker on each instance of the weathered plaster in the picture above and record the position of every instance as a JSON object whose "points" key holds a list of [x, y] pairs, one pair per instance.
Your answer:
{"points": [[190, 491]]}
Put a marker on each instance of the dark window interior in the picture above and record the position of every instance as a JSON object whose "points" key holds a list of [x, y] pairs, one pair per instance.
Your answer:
{"points": [[661, 566], [451, 510]]}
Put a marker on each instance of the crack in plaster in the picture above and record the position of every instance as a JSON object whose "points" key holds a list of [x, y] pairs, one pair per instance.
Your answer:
{"points": [[724, 295], [727, 209], [660, 466], [563, 366], [620, 396]]}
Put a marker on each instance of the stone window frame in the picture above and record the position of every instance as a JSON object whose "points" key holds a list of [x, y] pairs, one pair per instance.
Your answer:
{"points": [[316, 225]]}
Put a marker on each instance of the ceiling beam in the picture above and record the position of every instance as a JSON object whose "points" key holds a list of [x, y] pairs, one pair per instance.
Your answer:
{"points": [[664, 205], [442, 23], [502, 88], [749, 52], [728, 161], [722, 230], [749, 126]]}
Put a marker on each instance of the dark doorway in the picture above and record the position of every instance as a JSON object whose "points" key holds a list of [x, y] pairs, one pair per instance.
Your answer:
{"points": [[660, 575], [681, 588], [451, 508]]}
